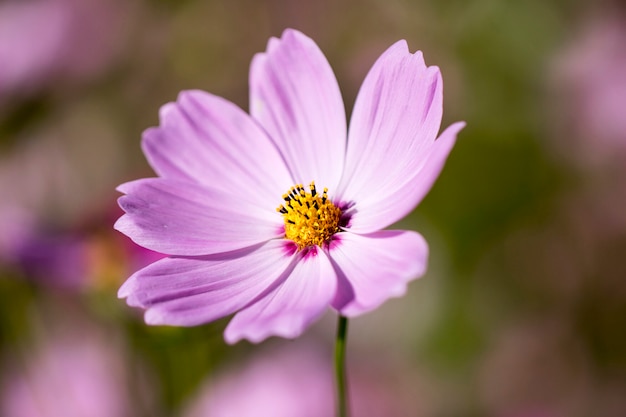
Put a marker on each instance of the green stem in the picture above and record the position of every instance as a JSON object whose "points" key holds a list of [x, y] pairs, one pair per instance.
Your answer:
{"points": [[340, 367]]}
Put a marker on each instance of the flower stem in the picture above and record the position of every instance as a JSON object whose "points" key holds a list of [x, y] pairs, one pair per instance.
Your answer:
{"points": [[340, 367]]}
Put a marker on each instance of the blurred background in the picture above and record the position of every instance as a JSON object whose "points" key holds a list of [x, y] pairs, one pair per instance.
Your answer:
{"points": [[522, 312]]}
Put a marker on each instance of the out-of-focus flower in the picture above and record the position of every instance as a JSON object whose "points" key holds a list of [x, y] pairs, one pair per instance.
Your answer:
{"points": [[77, 373], [297, 381], [81, 257], [590, 76], [17, 225], [286, 383], [45, 40], [222, 173], [79, 260], [55, 259], [54, 229]]}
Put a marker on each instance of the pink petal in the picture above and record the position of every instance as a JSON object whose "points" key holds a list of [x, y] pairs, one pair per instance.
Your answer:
{"points": [[388, 205], [206, 139], [295, 96], [395, 122], [193, 291], [373, 268], [289, 308], [396, 116], [180, 218]]}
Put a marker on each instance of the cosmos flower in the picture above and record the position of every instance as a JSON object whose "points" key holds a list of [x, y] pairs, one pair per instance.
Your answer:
{"points": [[266, 385], [43, 41], [590, 78], [70, 373], [278, 214], [74, 257]]}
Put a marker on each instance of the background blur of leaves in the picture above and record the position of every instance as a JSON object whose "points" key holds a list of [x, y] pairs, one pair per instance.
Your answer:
{"points": [[523, 309]]}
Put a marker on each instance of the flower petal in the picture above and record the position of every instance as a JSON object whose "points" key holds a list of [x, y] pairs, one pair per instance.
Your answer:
{"points": [[206, 139], [295, 96], [395, 121], [397, 114], [290, 307], [373, 268], [387, 205], [193, 291], [181, 218]]}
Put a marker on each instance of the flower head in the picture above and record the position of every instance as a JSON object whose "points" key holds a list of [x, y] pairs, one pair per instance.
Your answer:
{"points": [[242, 232]]}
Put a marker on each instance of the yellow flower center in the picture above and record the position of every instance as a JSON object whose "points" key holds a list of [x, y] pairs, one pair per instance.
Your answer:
{"points": [[310, 218]]}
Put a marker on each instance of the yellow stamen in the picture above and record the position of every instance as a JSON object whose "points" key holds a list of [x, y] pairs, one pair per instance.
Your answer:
{"points": [[310, 218]]}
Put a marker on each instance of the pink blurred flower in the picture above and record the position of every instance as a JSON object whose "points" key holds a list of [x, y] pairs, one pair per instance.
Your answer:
{"points": [[17, 225], [222, 173], [286, 383], [56, 259], [49, 257], [297, 381], [591, 74], [77, 374], [50, 234], [73, 258], [42, 40]]}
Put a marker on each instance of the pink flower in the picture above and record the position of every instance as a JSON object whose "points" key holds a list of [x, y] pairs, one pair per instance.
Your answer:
{"points": [[78, 374], [590, 76], [222, 174], [268, 386], [297, 380], [42, 41]]}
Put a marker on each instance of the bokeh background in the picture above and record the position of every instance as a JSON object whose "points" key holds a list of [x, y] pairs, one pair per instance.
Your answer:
{"points": [[522, 312]]}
